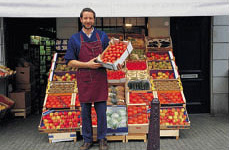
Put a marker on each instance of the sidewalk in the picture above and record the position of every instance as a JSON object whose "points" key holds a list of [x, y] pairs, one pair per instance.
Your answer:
{"points": [[206, 133]]}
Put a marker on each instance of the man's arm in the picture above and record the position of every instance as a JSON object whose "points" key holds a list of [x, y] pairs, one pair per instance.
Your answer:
{"points": [[90, 64]]}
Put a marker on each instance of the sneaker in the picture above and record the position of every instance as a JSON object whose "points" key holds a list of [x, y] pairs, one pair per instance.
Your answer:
{"points": [[103, 144], [86, 146]]}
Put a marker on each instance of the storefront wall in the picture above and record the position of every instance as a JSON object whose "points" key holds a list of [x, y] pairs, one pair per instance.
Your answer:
{"points": [[220, 64]]}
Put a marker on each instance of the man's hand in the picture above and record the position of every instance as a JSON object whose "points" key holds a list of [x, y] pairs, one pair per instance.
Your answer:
{"points": [[120, 66], [92, 64]]}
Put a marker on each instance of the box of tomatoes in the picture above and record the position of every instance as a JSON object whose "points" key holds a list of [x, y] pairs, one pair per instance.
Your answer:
{"points": [[116, 53]]}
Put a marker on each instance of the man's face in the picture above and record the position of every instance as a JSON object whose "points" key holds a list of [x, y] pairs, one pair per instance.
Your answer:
{"points": [[87, 20]]}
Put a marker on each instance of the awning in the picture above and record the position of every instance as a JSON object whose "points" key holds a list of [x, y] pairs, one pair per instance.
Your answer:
{"points": [[113, 8]]}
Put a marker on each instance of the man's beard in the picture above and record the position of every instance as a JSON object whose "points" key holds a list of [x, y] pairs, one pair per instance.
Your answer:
{"points": [[87, 28]]}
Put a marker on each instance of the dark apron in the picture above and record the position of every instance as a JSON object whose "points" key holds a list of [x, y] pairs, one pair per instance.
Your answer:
{"points": [[92, 83]]}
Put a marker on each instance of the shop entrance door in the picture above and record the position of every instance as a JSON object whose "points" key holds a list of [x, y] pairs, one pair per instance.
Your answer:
{"points": [[191, 43]]}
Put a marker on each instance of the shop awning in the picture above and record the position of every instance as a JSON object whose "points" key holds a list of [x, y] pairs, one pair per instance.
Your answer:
{"points": [[113, 8]]}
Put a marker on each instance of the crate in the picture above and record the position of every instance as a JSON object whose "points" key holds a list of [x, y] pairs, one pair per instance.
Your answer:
{"points": [[60, 137], [62, 87], [59, 129], [23, 112], [167, 126], [72, 100], [158, 47], [170, 133], [136, 61], [137, 40], [137, 75], [169, 56], [138, 128], [140, 93], [136, 136], [170, 72], [172, 104], [113, 138]]}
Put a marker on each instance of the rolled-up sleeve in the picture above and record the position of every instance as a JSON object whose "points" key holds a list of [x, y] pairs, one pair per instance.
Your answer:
{"points": [[71, 52]]}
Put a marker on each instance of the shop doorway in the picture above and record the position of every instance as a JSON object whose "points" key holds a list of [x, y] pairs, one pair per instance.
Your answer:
{"points": [[191, 43]]}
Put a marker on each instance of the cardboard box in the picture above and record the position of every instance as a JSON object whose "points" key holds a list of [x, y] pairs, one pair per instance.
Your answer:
{"points": [[138, 128], [21, 99], [23, 75]]}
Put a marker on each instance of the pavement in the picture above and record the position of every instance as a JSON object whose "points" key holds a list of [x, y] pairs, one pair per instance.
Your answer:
{"points": [[207, 133]]}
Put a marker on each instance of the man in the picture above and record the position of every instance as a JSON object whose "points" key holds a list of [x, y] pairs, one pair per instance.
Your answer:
{"points": [[83, 48]]}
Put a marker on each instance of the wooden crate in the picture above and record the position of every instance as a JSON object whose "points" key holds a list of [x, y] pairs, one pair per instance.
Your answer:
{"points": [[170, 133], [60, 137], [21, 112], [113, 138], [136, 136]]}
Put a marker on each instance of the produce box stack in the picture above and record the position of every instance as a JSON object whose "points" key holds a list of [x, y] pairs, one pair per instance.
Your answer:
{"points": [[23, 96], [166, 81], [61, 112]]}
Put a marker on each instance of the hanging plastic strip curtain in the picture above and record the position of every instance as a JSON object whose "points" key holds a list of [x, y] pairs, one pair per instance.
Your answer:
{"points": [[113, 8]]}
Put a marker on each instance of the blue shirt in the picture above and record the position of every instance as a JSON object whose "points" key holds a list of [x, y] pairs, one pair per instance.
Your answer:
{"points": [[74, 43]]}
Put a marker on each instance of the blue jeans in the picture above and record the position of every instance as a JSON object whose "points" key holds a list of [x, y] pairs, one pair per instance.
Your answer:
{"points": [[100, 108]]}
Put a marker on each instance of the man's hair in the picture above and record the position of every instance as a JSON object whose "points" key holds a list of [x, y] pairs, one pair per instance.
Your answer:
{"points": [[88, 10]]}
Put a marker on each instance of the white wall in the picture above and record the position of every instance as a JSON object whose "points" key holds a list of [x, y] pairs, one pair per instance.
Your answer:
{"points": [[66, 27], [220, 64]]}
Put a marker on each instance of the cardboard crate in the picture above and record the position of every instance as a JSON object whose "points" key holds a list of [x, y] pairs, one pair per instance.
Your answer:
{"points": [[138, 128], [140, 92], [22, 99], [114, 66], [23, 75]]}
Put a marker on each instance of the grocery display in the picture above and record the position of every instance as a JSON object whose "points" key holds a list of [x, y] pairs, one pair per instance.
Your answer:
{"points": [[145, 76], [116, 76], [136, 65], [138, 85], [64, 67], [162, 74], [69, 76], [58, 101], [62, 87], [116, 119], [171, 97], [140, 98], [63, 120], [160, 65], [157, 56], [163, 85], [159, 44], [137, 74], [175, 117], [137, 54], [137, 114], [116, 95]]}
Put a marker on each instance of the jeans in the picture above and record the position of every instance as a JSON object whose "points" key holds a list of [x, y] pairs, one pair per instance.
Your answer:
{"points": [[100, 108]]}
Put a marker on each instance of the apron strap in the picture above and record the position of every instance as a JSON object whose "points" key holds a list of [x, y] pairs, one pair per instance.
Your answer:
{"points": [[81, 37], [97, 36]]}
